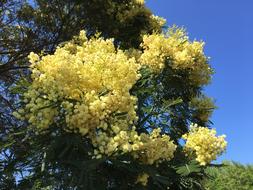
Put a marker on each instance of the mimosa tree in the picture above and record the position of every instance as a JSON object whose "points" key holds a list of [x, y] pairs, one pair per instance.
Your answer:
{"points": [[119, 106]]}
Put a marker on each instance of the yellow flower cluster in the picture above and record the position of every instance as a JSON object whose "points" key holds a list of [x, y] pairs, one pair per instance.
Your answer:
{"points": [[148, 148], [176, 49], [141, 2], [142, 179], [86, 85], [204, 143], [116, 140], [156, 148], [88, 82]]}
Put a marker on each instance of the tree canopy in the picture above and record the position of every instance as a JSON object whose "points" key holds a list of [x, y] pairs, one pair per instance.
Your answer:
{"points": [[99, 94]]}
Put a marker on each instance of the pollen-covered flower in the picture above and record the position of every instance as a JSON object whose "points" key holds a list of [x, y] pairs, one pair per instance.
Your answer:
{"points": [[155, 148], [175, 48], [87, 84], [204, 143], [85, 88]]}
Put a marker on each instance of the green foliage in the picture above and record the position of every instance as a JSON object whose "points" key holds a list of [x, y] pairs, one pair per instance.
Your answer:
{"points": [[231, 176], [187, 169]]}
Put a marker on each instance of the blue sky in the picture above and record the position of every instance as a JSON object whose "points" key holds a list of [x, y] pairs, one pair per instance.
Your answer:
{"points": [[227, 28]]}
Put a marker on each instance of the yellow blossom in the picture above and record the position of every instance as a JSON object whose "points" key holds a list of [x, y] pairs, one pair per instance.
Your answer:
{"points": [[155, 148], [175, 49], [87, 85], [87, 82], [141, 2], [204, 143]]}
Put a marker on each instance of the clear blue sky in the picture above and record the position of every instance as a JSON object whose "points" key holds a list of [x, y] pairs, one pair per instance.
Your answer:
{"points": [[227, 28]]}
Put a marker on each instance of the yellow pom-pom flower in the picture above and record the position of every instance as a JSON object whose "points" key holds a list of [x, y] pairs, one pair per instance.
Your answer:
{"points": [[204, 143], [156, 148], [87, 83], [175, 48]]}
